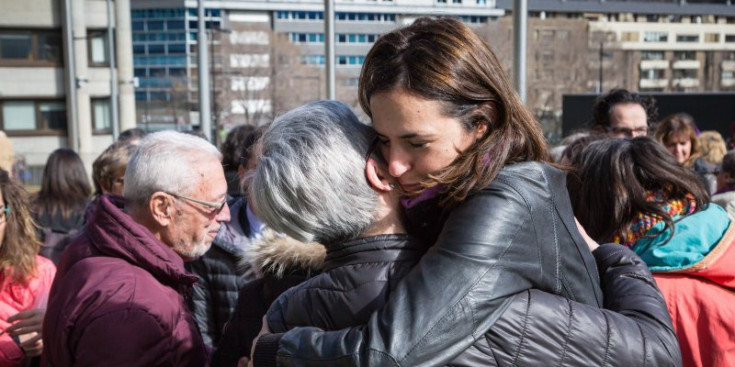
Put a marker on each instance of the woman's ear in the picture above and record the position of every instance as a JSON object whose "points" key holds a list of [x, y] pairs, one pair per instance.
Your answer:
{"points": [[377, 177]]}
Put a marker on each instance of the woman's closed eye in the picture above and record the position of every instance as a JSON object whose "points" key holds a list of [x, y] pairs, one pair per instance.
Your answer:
{"points": [[419, 144]]}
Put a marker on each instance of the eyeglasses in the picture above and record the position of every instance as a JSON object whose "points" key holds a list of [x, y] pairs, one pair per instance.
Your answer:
{"points": [[4, 214], [627, 131], [216, 206]]}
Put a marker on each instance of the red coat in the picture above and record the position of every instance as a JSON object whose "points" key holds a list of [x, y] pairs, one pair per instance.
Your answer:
{"points": [[118, 299], [701, 301], [15, 298]]}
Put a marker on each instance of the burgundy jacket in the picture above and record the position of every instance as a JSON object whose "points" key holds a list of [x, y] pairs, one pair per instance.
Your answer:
{"points": [[119, 299]]}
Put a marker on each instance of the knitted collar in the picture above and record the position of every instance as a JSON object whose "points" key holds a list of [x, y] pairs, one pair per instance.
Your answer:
{"points": [[639, 226]]}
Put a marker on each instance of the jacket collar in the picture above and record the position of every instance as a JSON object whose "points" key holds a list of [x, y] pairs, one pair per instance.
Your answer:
{"points": [[115, 234], [381, 248]]}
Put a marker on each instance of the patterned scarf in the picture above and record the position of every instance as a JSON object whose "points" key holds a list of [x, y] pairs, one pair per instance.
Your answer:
{"points": [[643, 222]]}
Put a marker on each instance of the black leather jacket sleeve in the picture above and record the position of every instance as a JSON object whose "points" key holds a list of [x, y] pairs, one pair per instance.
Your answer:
{"points": [[634, 329], [536, 329]]}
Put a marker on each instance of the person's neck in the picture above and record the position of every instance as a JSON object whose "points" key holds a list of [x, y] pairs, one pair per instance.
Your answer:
{"points": [[388, 219]]}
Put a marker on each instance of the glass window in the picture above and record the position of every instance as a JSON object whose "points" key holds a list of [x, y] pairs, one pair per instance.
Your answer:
{"points": [[685, 73], [177, 48], [19, 115], [139, 49], [685, 55], [101, 118], [652, 55], [97, 47], [155, 25], [139, 72], [687, 38], [17, 46], [177, 71], [138, 25], [53, 115], [175, 24], [156, 49], [140, 96], [655, 37], [730, 38], [712, 37], [49, 47], [157, 71]]}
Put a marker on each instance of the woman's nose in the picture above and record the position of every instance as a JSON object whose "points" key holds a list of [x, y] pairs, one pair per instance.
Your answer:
{"points": [[398, 163]]}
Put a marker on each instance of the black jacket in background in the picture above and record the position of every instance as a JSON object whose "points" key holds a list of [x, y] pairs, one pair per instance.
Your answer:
{"points": [[281, 263], [221, 275]]}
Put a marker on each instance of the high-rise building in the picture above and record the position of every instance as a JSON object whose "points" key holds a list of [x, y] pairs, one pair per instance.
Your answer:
{"points": [[253, 45], [59, 74]]}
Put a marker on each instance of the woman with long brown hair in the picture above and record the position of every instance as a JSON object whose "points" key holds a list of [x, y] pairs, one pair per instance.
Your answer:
{"points": [[60, 205], [25, 277], [471, 160]]}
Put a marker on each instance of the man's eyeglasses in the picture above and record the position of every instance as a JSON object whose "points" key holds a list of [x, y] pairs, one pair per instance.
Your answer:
{"points": [[4, 214], [639, 131], [216, 206]]}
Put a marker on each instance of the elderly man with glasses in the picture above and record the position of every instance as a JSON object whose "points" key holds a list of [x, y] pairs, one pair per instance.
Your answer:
{"points": [[119, 295]]}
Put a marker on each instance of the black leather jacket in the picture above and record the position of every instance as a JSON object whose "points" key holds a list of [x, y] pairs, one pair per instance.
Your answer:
{"points": [[515, 235]]}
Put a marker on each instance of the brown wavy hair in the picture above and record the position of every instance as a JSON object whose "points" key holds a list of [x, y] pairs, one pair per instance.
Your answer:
{"points": [[20, 244], [442, 59], [674, 125]]}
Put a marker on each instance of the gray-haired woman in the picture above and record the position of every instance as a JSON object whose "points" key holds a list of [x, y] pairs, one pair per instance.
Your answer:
{"points": [[317, 179]]}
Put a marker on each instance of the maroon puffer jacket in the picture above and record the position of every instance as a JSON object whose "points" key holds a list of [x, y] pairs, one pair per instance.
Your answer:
{"points": [[118, 299]]}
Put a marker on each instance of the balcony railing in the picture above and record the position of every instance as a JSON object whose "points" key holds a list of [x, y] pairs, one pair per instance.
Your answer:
{"points": [[686, 64], [654, 83], [654, 64]]}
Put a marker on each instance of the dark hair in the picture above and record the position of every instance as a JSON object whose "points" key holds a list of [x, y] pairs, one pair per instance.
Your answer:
{"points": [[65, 187], [611, 184], [442, 59], [111, 165], [604, 104], [728, 166], [234, 145], [134, 133], [20, 244], [675, 125]]}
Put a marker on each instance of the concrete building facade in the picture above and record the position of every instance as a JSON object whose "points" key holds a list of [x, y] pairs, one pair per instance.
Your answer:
{"points": [[59, 70]]}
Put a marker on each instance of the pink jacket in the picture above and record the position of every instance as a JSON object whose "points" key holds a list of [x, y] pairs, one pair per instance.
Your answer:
{"points": [[15, 298]]}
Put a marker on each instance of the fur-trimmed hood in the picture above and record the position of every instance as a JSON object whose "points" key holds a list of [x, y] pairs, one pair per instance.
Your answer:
{"points": [[275, 253]]}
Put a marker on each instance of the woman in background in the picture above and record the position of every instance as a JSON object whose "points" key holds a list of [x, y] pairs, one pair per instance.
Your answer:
{"points": [[679, 135], [25, 278], [59, 207], [633, 192]]}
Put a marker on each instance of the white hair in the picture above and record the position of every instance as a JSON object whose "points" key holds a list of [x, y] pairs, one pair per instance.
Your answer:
{"points": [[310, 180], [163, 162]]}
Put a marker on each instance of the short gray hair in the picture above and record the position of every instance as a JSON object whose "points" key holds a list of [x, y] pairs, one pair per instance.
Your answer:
{"points": [[310, 180], [163, 162]]}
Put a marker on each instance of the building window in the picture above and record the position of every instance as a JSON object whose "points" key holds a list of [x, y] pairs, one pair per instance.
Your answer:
{"points": [[630, 37], [687, 38], [652, 55], [655, 37], [97, 44], [685, 55], [27, 116], [652, 74], [685, 74], [712, 37], [730, 38], [30, 48], [101, 115]]}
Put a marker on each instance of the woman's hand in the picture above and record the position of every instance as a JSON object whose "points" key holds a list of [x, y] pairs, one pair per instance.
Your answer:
{"points": [[592, 244], [28, 330]]}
